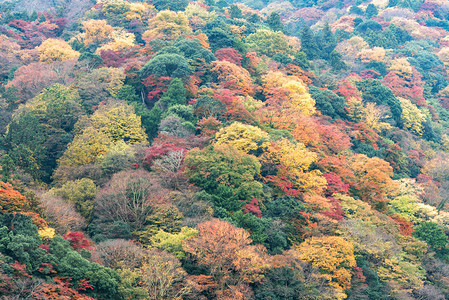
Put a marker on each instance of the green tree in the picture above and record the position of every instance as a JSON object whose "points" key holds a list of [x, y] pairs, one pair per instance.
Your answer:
{"points": [[169, 65], [434, 236], [81, 192], [274, 21], [371, 11], [225, 174], [309, 44]]}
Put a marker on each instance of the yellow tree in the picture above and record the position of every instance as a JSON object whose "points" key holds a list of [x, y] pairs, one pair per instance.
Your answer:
{"points": [[245, 138], [52, 50], [293, 161], [85, 148], [412, 117], [119, 122], [96, 31], [333, 256], [120, 40], [288, 92], [168, 25]]}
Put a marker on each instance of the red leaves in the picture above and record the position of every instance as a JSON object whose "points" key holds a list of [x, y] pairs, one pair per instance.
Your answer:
{"points": [[253, 208], [156, 86], [230, 55], [84, 285], [158, 150], [335, 185], [405, 227], [61, 289], [77, 240], [20, 270]]}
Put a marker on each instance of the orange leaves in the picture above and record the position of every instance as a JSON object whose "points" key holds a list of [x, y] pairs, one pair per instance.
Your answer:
{"points": [[10, 199], [233, 77], [373, 178], [227, 252]]}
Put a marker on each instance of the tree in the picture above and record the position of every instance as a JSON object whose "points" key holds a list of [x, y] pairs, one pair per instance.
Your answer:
{"points": [[334, 257], [167, 25], [226, 175], [227, 253], [229, 54], [434, 236], [81, 193], [11, 200], [308, 43], [96, 32], [232, 77], [128, 197], [166, 65], [159, 277], [245, 138], [25, 140], [119, 122], [326, 42], [171, 5], [269, 43], [52, 50], [85, 148], [371, 11], [373, 176], [412, 118], [274, 21], [172, 242]]}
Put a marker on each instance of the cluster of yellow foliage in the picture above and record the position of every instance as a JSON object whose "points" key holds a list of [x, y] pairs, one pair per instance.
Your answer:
{"points": [[412, 117], [296, 90], [52, 50], [334, 257], [245, 138], [294, 160], [168, 25], [96, 31]]}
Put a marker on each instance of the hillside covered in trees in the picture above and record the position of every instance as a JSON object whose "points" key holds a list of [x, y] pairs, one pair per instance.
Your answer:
{"points": [[266, 150]]}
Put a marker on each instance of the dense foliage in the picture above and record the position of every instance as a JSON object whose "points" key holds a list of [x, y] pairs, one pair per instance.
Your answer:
{"points": [[224, 149]]}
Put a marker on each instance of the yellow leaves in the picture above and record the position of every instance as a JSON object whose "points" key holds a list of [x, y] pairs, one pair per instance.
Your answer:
{"points": [[85, 148], [119, 122], [268, 42], [333, 256], [300, 97], [198, 15], [168, 25], [121, 40], [294, 161], [47, 233], [96, 31], [402, 66], [372, 116], [374, 54], [412, 117], [111, 123], [52, 50], [245, 138], [295, 89], [295, 157]]}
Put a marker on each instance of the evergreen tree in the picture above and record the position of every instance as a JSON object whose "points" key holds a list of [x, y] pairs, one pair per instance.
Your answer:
{"points": [[326, 42], [309, 44], [371, 11], [274, 21]]}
